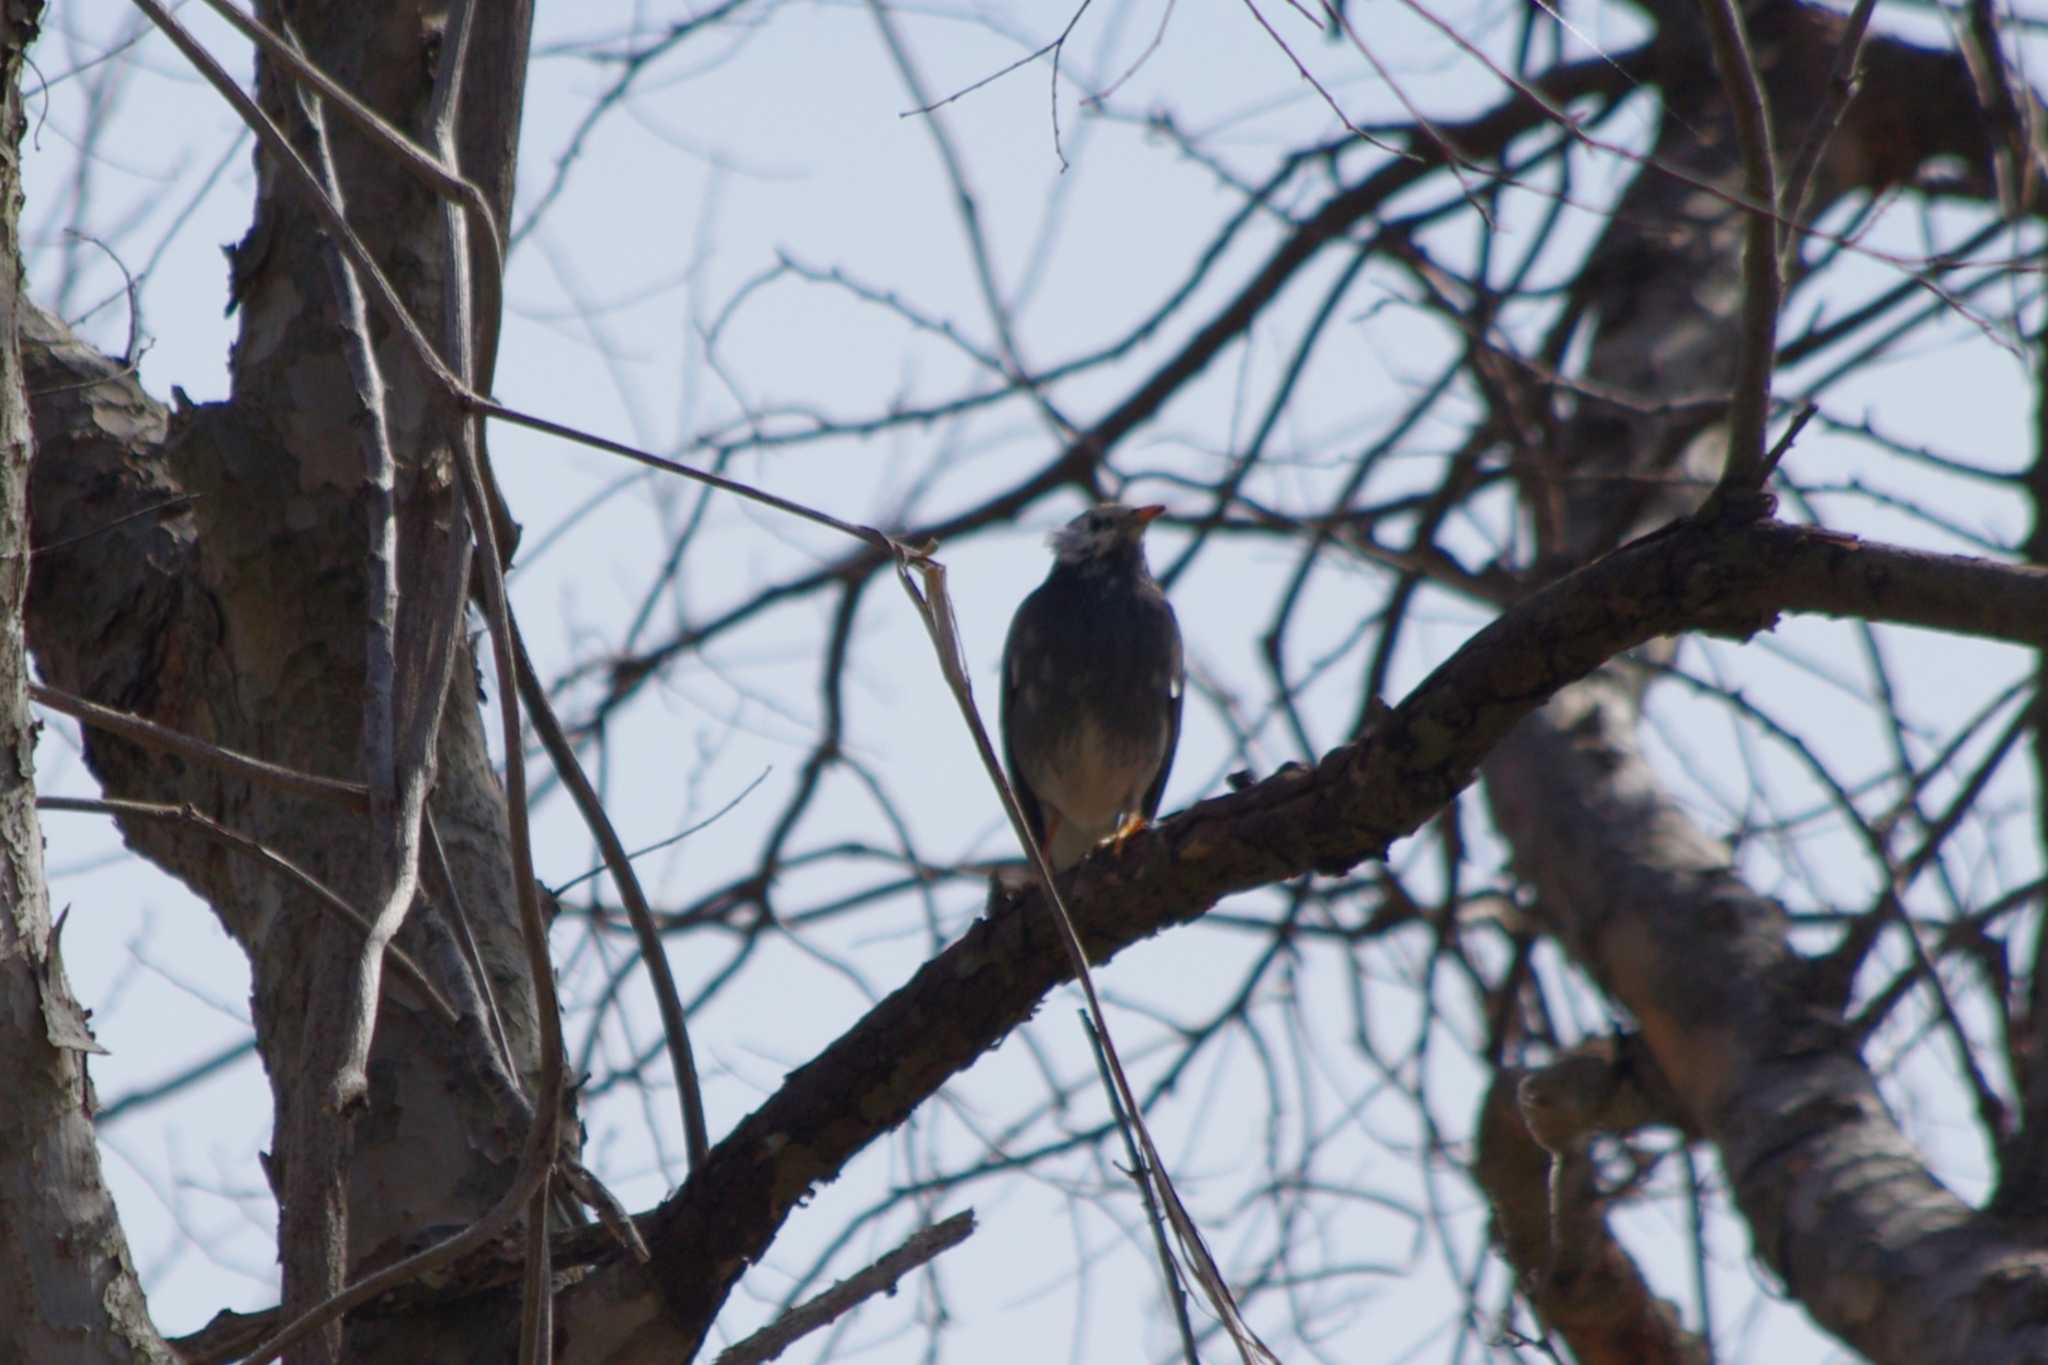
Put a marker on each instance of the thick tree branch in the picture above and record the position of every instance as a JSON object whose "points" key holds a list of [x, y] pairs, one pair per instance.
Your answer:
{"points": [[175, 556], [1732, 579], [1550, 1215], [1838, 1202], [1349, 807], [68, 1287], [227, 621], [1660, 290]]}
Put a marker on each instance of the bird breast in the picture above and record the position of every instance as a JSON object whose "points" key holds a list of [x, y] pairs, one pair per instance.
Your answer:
{"points": [[1097, 768]]}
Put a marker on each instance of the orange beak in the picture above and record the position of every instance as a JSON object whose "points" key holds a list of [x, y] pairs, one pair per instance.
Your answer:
{"points": [[1146, 515]]}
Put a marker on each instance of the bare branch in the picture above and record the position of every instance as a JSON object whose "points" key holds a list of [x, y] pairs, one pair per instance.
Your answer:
{"points": [[842, 1298], [219, 833], [1750, 403], [353, 795]]}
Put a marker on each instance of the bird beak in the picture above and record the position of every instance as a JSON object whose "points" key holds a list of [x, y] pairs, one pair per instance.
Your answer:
{"points": [[1146, 515]]}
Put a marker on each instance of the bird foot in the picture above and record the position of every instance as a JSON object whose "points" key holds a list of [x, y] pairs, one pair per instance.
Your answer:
{"points": [[1130, 826]]}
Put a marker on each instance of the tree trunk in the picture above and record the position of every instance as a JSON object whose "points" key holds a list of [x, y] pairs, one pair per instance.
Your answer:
{"points": [[68, 1292], [224, 597]]}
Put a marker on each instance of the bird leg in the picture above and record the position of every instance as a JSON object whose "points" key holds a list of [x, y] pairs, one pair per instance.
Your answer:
{"points": [[1131, 825], [1052, 829]]}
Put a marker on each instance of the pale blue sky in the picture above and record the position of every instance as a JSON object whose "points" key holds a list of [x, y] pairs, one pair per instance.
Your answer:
{"points": [[786, 135]]}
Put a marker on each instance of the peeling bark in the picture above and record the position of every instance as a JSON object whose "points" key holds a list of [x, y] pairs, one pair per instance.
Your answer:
{"points": [[68, 1290], [204, 571], [1838, 1202], [203, 568]]}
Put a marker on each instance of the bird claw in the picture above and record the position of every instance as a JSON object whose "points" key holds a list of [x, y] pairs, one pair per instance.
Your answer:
{"points": [[1131, 825]]}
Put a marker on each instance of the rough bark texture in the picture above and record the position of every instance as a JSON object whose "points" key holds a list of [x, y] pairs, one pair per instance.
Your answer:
{"points": [[223, 596], [1357, 800], [1837, 1203], [68, 1292], [1550, 1212], [1661, 292]]}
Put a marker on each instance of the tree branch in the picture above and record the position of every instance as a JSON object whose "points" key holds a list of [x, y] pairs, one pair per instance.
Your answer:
{"points": [[1838, 1202], [1355, 802], [842, 1298]]}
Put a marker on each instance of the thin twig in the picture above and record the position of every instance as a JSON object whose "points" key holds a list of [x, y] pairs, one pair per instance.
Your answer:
{"points": [[1176, 1292], [323, 895], [1750, 401], [659, 844], [538, 1152], [1795, 195], [442, 885], [161, 510], [409, 155], [344, 977], [1776, 454], [150, 735], [132, 355], [1452, 159], [935, 608], [675, 1026], [143, 1096], [880, 1278], [537, 1287]]}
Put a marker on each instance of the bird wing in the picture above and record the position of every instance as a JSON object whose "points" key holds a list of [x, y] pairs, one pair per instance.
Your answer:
{"points": [[1177, 686], [1034, 815]]}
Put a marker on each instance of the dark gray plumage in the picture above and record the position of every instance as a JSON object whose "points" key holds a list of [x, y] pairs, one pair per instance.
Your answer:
{"points": [[1092, 681]]}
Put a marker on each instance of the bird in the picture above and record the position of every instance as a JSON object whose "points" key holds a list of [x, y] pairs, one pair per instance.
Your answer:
{"points": [[1091, 688]]}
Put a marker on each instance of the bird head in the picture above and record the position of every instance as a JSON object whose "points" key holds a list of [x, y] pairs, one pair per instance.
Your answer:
{"points": [[1104, 534]]}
